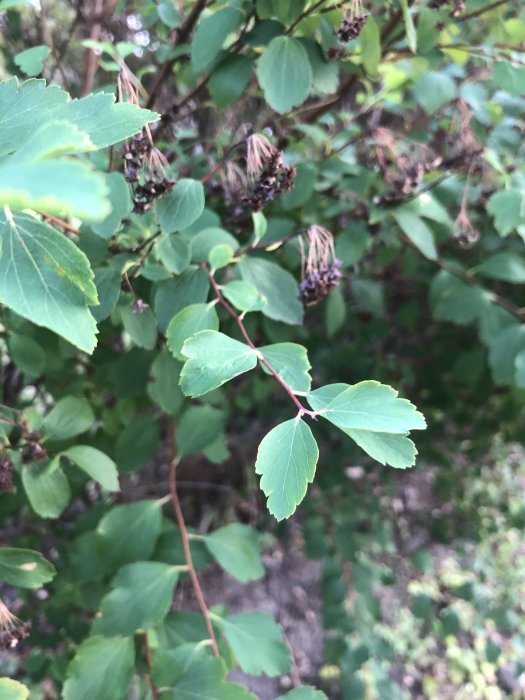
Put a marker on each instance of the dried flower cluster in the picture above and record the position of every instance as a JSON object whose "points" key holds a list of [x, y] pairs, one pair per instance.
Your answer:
{"points": [[32, 449], [12, 631], [321, 270], [6, 473], [268, 175], [145, 167], [352, 24]]}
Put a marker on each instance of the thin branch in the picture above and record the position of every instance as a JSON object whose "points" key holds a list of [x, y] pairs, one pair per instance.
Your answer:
{"points": [[91, 56], [220, 163], [249, 342], [149, 662], [481, 11], [305, 14], [61, 223], [185, 538]]}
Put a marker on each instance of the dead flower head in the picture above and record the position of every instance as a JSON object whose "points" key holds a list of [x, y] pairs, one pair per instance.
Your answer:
{"points": [[267, 174], [12, 630], [353, 22], [321, 271]]}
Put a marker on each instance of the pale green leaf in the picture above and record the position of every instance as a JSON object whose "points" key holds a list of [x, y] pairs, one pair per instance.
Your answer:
{"points": [[410, 29], [509, 267], [278, 287], [396, 450], [236, 548], [504, 350], [220, 256], [204, 241], [174, 252], [432, 90], [24, 568], [95, 464], [188, 322], [244, 296], [140, 598], [31, 61], [256, 642], [47, 487], [370, 40], [45, 278], [164, 382], [120, 200], [102, 668], [368, 405], [291, 363], [181, 207], [304, 692], [285, 74], [69, 417], [418, 232], [141, 326], [173, 295], [508, 209], [286, 461], [212, 360], [13, 690]]}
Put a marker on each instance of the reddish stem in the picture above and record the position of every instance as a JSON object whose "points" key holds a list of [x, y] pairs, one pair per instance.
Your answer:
{"points": [[302, 410]]}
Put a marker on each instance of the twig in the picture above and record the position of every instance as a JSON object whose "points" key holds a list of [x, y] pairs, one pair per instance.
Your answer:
{"points": [[481, 11], [184, 536], [149, 662], [249, 342], [220, 163], [305, 14], [61, 223], [91, 56]]}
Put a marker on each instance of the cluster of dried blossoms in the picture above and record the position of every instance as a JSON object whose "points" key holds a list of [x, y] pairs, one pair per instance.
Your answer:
{"points": [[12, 631], [321, 270], [145, 167], [464, 232], [353, 22], [268, 175], [404, 162]]}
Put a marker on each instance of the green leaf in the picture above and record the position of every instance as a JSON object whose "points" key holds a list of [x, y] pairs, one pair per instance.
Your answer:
{"points": [[141, 326], [69, 417], [211, 35], [188, 322], [140, 599], [291, 363], [256, 641], [286, 461], [212, 360], [220, 256], [454, 300], [27, 355], [95, 464], [304, 692], [325, 74], [410, 29], [31, 61], [244, 296], [181, 207], [367, 405], [129, 532], [24, 568], [504, 350], [370, 41], [137, 443], [45, 278], [418, 232], [396, 450], [120, 200], [508, 267], [508, 209], [102, 668], [164, 383], [190, 673], [236, 548], [432, 90], [285, 74], [230, 79], [13, 690], [198, 428], [107, 282], [277, 286], [174, 252], [172, 296], [207, 239], [519, 364], [47, 487]]}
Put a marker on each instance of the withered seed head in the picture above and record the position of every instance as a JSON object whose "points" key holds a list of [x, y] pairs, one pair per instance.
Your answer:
{"points": [[321, 271], [12, 631], [267, 173]]}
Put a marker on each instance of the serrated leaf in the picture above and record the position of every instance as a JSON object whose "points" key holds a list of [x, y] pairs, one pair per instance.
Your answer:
{"points": [[24, 568], [236, 548], [36, 257], [47, 487], [277, 286], [102, 668], [256, 641], [291, 363], [13, 690], [368, 406], [285, 74], [211, 35], [140, 598], [129, 532], [69, 417], [181, 207], [191, 320], [396, 450], [286, 461], [212, 360], [95, 464]]}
